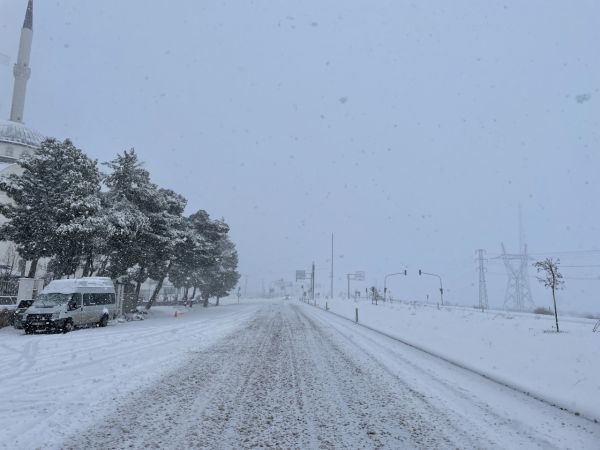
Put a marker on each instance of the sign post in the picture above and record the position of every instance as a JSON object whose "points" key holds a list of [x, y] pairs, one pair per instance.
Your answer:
{"points": [[359, 275]]}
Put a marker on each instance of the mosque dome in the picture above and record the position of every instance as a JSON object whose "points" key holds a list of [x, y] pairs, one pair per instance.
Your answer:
{"points": [[19, 134]]}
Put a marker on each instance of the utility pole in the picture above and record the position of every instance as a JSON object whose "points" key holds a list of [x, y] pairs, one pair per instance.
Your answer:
{"points": [[312, 282], [483, 296], [331, 290], [348, 276]]}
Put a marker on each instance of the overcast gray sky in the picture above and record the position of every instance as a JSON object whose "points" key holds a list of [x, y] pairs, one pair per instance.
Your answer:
{"points": [[413, 130]]}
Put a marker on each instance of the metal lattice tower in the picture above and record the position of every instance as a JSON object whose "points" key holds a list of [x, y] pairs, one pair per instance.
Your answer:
{"points": [[518, 291], [483, 296]]}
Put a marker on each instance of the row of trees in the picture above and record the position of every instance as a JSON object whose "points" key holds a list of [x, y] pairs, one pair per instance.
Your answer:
{"points": [[118, 224]]}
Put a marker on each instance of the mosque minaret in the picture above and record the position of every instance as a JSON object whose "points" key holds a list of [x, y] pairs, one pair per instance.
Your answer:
{"points": [[21, 70]]}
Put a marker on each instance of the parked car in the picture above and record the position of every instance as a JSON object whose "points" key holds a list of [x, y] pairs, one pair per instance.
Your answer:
{"points": [[20, 311], [66, 304], [8, 305], [8, 302]]}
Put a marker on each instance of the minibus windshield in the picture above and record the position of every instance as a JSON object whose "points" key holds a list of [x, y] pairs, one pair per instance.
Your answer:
{"points": [[52, 299]]}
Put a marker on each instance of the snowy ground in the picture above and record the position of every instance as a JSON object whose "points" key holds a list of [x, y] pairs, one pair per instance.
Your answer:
{"points": [[262, 374], [52, 384], [517, 348]]}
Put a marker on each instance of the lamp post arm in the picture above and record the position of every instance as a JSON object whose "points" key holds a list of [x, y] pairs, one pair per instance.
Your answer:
{"points": [[441, 286], [385, 281]]}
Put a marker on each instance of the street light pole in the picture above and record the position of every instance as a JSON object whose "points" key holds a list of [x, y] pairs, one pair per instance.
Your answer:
{"points": [[441, 287], [331, 290], [312, 282], [348, 276], [385, 281]]}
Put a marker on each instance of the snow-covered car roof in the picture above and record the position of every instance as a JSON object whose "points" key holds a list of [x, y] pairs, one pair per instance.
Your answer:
{"points": [[79, 284]]}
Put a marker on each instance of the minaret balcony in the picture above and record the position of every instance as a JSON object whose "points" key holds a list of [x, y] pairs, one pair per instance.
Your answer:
{"points": [[21, 72]]}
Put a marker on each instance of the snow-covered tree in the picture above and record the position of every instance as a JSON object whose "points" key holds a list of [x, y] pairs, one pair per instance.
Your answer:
{"points": [[220, 277], [131, 201], [168, 233], [55, 205], [199, 253], [551, 278]]}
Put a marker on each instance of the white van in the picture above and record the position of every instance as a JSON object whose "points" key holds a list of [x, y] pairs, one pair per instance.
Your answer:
{"points": [[66, 304]]}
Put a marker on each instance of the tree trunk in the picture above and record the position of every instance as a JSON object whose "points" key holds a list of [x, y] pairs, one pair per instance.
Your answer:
{"points": [[138, 286], [205, 298], [158, 287], [185, 292], [217, 301], [194, 293], [88, 268], [555, 313], [103, 264], [33, 268]]}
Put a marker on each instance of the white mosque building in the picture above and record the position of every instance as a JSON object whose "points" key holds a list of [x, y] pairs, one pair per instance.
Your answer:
{"points": [[16, 139]]}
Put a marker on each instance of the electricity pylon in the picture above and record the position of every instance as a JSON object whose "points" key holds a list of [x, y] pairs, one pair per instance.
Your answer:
{"points": [[483, 296], [518, 291]]}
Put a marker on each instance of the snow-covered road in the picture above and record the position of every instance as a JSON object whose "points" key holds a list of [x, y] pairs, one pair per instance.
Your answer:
{"points": [[296, 377]]}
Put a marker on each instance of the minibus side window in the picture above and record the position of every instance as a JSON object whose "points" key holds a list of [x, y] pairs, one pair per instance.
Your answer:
{"points": [[88, 300], [98, 299], [74, 302]]}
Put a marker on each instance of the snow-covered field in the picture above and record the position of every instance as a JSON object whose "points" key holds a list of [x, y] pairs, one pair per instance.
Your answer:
{"points": [[519, 349], [52, 384]]}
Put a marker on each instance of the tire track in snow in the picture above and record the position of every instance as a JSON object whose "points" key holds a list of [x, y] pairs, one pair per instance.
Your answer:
{"points": [[281, 382]]}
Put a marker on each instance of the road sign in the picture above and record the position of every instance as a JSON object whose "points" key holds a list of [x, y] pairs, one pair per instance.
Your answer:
{"points": [[300, 275], [359, 275]]}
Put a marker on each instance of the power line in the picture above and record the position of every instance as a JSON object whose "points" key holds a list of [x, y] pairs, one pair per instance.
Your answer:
{"points": [[564, 278], [570, 253], [582, 266]]}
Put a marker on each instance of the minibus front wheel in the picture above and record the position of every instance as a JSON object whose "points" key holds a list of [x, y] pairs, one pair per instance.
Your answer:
{"points": [[68, 326]]}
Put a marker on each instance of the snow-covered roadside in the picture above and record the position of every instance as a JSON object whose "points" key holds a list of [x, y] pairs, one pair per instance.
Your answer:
{"points": [[53, 384], [518, 349]]}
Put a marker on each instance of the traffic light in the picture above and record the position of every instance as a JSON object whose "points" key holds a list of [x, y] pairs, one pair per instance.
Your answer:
{"points": [[404, 272], [419, 271]]}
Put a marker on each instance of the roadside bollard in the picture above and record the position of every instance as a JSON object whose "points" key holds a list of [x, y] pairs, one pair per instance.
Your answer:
{"points": [[326, 307], [356, 311]]}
